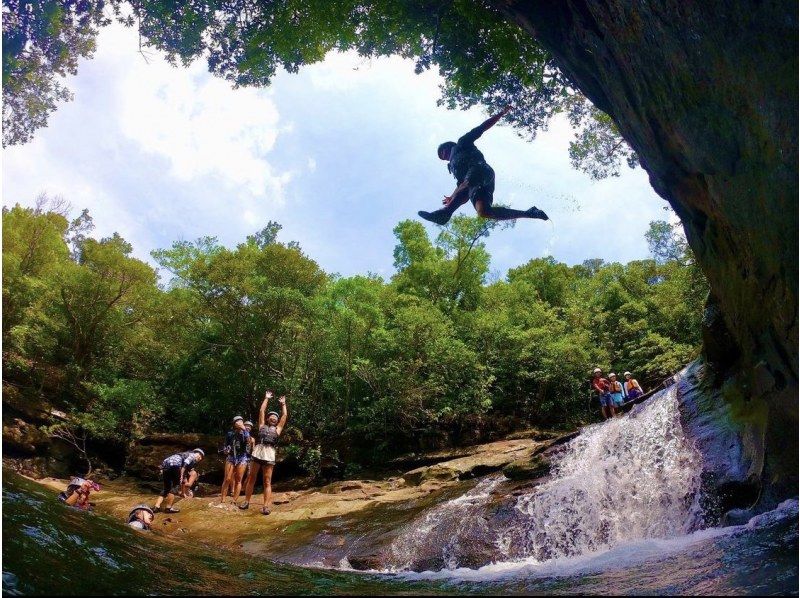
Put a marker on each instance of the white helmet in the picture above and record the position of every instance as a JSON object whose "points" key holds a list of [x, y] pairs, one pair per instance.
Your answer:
{"points": [[596, 370], [627, 374]]}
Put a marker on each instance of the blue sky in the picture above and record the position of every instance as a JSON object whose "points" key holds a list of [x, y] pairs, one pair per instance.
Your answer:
{"points": [[338, 154]]}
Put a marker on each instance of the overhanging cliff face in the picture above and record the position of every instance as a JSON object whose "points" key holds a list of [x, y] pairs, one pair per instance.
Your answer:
{"points": [[706, 92]]}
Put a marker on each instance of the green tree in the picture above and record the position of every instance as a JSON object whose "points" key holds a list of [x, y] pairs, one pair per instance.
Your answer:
{"points": [[42, 43]]}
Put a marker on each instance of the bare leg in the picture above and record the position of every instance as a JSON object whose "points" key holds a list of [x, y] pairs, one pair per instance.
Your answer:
{"points": [[238, 474], [227, 482], [251, 481], [159, 500], [267, 488], [170, 500]]}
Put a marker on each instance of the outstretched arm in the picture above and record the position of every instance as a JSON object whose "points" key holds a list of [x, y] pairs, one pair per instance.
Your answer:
{"points": [[284, 415], [262, 412], [485, 126], [462, 186]]}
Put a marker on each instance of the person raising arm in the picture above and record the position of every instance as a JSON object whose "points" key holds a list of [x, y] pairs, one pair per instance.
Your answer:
{"points": [[270, 427]]}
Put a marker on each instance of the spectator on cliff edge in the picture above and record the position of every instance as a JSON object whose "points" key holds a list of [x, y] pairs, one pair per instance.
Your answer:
{"points": [[602, 387]]}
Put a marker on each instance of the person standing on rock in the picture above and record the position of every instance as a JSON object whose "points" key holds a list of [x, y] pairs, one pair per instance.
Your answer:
{"points": [[616, 390], [270, 427], [173, 472], [632, 388], [475, 180], [601, 386], [236, 442], [251, 442]]}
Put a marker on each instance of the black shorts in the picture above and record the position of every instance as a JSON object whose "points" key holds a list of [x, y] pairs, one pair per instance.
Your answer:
{"points": [[172, 481], [481, 184]]}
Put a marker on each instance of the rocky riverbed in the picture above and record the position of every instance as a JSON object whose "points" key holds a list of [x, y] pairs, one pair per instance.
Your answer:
{"points": [[345, 519]]}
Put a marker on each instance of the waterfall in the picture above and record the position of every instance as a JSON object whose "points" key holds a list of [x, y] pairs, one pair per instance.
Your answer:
{"points": [[632, 478]]}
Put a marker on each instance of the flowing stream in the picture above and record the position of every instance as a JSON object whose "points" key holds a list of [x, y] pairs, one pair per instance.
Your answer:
{"points": [[620, 514], [632, 478]]}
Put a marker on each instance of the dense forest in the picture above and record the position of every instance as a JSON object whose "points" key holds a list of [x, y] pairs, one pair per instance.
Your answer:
{"points": [[439, 354]]}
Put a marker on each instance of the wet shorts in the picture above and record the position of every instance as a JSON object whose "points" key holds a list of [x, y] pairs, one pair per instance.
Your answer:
{"points": [[606, 400], [634, 393], [172, 480], [237, 460], [481, 183], [264, 454], [618, 399]]}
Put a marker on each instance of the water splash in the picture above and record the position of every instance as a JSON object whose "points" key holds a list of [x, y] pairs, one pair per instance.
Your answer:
{"points": [[632, 478], [437, 539]]}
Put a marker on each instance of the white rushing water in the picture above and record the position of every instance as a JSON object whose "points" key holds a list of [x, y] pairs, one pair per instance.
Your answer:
{"points": [[631, 479]]}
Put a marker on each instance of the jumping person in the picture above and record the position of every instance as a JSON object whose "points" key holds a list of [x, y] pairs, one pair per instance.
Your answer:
{"points": [[236, 442], [475, 180], [269, 430], [601, 386], [173, 471]]}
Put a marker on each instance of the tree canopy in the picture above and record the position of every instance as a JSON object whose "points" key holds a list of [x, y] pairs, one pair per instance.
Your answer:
{"points": [[482, 58], [438, 354]]}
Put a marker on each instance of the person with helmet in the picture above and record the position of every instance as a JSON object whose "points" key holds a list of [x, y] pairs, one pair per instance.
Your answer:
{"points": [[236, 442], [77, 493], [632, 387], [475, 180], [601, 386], [270, 428], [141, 518], [616, 390], [248, 425], [173, 472]]}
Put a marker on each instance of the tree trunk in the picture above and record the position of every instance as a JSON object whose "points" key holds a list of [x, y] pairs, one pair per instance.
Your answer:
{"points": [[706, 93]]}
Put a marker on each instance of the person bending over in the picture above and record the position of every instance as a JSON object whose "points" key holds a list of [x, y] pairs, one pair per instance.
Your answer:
{"points": [[173, 471], [475, 180], [236, 442], [270, 428]]}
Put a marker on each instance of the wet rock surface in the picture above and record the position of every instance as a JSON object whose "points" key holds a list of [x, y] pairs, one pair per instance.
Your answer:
{"points": [[706, 94]]}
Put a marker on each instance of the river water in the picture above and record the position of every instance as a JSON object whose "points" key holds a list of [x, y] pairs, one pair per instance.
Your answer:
{"points": [[620, 514]]}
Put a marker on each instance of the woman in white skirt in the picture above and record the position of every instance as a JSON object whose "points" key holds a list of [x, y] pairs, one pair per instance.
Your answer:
{"points": [[270, 427]]}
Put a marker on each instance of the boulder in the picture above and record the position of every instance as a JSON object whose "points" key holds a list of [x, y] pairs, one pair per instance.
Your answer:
{"points": [[484, 459], [24, 438]]}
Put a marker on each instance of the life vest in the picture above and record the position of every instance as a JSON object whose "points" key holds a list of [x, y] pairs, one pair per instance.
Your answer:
{"points": [[615, 386], [268, 435]]}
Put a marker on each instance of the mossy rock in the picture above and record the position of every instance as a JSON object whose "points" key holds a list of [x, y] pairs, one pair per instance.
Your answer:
{"points": [[528, 468]]}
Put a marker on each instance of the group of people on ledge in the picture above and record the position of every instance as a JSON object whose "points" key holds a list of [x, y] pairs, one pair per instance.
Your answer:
{"points": [[612, 393], [246, 455]]}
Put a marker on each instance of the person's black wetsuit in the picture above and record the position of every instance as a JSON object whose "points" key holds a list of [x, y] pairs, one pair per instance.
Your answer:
{"points": [[467, 163]]}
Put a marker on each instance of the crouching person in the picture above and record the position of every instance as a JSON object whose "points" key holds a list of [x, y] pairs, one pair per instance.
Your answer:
{"points": [[173, 472], [141, 518], [77, 493]]}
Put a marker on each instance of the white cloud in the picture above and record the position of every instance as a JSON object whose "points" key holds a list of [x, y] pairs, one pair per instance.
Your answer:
{"points": [[196, 121]]}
